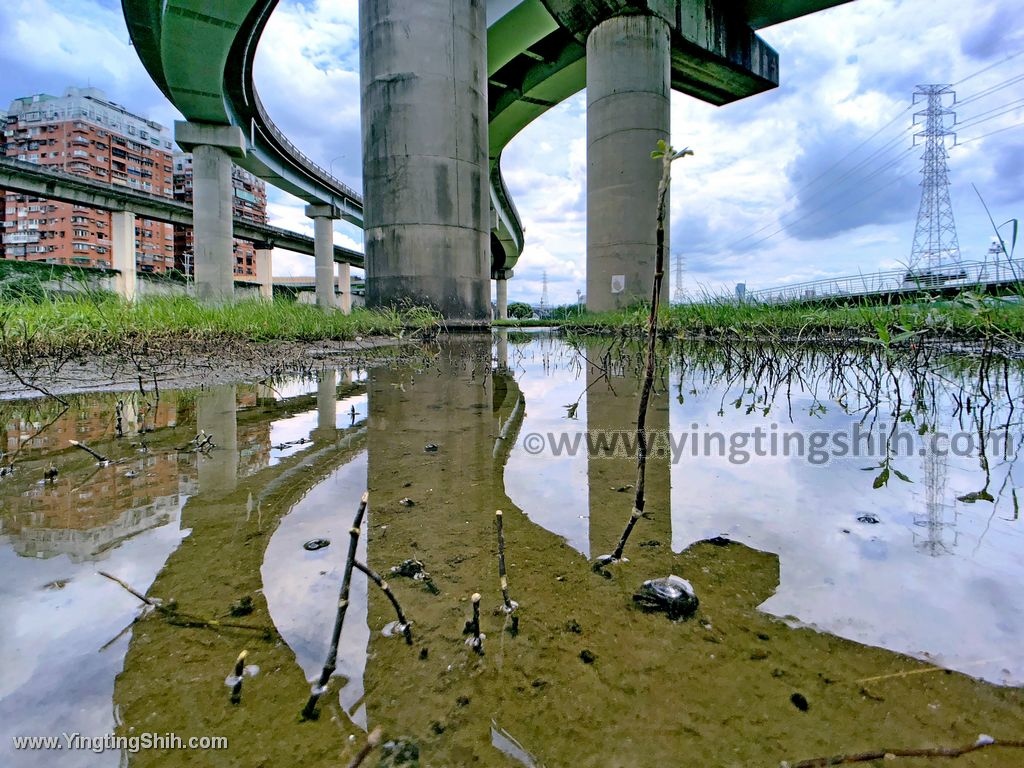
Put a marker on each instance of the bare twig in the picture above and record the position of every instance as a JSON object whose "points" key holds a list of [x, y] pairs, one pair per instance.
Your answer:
{"points": [[371, 741], [372, 575], [982, 742], [320, 687], [667, 155], [237, 677], [510, 605], [98, 456], [128, 589]]}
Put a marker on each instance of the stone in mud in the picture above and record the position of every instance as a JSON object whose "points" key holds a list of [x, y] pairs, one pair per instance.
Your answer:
{"points": [[314, 544], [672, 595]]}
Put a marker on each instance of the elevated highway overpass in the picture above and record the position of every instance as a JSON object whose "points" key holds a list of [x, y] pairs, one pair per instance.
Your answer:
{"points": [[445, 87]]}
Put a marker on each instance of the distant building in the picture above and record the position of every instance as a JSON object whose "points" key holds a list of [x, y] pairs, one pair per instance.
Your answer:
{"points": [[249, 202], [85, 134]]}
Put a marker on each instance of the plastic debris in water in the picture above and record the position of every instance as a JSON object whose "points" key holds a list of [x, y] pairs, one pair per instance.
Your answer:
{"points": [[672, 594], [503, 741], [393, 628]]}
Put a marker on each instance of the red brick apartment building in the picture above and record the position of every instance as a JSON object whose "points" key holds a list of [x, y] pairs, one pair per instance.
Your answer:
{"points": [[83, 133], [249, 202]]}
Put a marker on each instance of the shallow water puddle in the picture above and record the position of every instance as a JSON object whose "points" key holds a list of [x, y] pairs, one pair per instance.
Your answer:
{"points": [[925, 564]]}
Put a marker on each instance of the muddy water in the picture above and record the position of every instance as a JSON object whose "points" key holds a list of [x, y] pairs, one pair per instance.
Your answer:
{"points": [[854, 595]]}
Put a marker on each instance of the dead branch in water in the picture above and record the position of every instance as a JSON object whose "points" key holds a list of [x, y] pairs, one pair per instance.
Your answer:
{"points": [[982, 742], [372, 575]]}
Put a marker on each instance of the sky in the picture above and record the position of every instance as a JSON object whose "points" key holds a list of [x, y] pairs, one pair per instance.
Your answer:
{"points": [[817, 178]]}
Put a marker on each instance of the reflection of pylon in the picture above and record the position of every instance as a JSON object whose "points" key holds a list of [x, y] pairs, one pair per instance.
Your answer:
{"points": [[935, 241], [544, 292], [935, 542], [677, 295]]}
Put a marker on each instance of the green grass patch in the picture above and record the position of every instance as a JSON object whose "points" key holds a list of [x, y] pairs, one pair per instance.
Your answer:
{"points": [[99, 323], [970, 317]]}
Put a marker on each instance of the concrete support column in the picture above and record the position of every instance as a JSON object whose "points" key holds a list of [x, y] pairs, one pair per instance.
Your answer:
{"points": [[323, 252], [628, 111], [212, 147], [265, 270], [345, 288], [122, 246], [423, 73], [501, 288]]}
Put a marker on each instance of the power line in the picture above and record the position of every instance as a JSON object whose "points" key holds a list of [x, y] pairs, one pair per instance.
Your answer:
{"points": [[833, 182], [986, 135], [824, 207], [990, 66], [990, 90], [970, 122]]}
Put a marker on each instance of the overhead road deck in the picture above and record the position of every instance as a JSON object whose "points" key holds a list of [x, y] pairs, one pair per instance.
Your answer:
{"points": [[31, 179], [201, 56]]}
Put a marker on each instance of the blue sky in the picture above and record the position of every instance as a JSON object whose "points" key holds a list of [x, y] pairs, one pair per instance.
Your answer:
{"points": [[816, 178]]}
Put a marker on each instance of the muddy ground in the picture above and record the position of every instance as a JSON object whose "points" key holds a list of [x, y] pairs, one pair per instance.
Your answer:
{"points": [[190, 365]]}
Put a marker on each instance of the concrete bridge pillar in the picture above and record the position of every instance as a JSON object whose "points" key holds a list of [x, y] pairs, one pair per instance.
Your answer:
{"points": [[212, 147], [628, 111], [323, 252], [424, 119], [501, 279], [265, 270], [345, 288], [122, 246]]}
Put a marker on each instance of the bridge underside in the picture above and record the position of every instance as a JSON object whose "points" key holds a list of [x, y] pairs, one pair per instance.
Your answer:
{"points": [[531, 56]]}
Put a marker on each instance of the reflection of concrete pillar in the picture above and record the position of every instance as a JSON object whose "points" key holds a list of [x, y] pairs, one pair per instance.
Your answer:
{"points": [[628, 111], [265, 270], [323, 252], [265, 394], [216, 411], [423, 68], [122, 246], [501, 340], [452, 486], [611, 408], [327, 401], [345, 288], [212, 147]]}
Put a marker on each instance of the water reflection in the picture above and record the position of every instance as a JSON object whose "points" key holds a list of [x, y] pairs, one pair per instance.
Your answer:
{"points": [[302, 587], [439, 440]]}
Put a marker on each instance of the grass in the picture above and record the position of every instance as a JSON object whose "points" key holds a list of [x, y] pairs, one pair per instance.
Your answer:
{"points": [[969, 317], [99, 323]]}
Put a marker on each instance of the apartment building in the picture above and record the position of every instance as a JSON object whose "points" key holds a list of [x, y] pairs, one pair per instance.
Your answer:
{"points": [[83, 133], [249, 202]]}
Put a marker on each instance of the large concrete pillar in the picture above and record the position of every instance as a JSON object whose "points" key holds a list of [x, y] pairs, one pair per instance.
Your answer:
{"points": [[501, 287], [265, 270], [345, 288], [323, 252], [212, 147], [423, 73], [122, 246], [628, 111]]}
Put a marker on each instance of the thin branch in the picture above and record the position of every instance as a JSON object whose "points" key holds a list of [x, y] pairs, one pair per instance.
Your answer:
{"points": [[982, 742]]}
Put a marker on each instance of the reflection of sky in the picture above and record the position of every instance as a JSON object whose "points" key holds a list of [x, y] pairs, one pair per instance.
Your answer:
{"points": [[301, 425], [876, 584], [55, 678], [551, 490], [302, 587]]}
